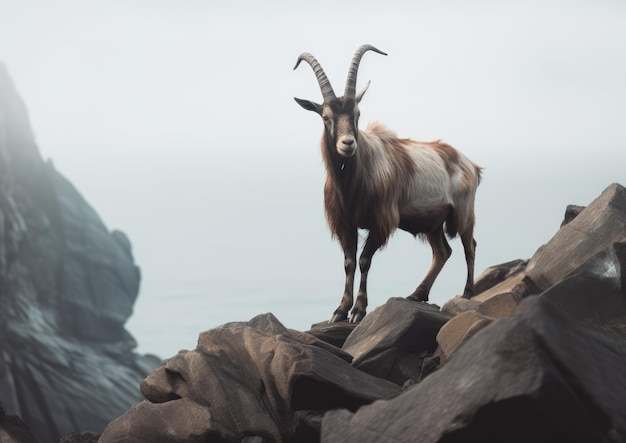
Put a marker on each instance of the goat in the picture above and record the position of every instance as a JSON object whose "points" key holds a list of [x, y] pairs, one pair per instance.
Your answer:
{"points": [[379, 182]]}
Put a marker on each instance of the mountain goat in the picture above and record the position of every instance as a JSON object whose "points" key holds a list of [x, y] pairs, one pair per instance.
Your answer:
{"points": [[379, 182]]}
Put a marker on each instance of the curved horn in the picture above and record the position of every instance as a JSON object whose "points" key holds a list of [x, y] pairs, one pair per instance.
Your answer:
{"points": [[350, 91], [327, 89]]}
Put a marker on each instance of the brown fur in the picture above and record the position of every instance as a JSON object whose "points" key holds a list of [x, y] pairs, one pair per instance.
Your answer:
{"points": [[378, 175], [354, 200]]}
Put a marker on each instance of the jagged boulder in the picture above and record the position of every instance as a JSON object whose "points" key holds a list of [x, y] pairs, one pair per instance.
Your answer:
{"points": [[539, 376], [580, 268], [585, 231], [247, 379], [67, 286], [545, 368], [596, 290], [392, 341], [595, 229]]}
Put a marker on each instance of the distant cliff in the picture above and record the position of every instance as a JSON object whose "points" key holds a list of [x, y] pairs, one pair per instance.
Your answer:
{"points": [[67, 286]]}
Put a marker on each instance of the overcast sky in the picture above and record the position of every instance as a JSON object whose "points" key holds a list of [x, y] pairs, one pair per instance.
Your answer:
{"points": [[176, 121]]}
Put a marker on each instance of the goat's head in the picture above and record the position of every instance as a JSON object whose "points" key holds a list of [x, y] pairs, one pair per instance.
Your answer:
{"points": [[340, 114]]}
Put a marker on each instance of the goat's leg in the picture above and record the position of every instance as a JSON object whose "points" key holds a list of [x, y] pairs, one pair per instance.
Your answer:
{"points": [[359, 310], [349, 245], [441, 254], [469, 244]]}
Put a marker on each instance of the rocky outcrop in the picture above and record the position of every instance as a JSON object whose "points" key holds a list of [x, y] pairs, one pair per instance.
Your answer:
{"points": [[246, 379], [67, 286], [519, 366], [505, 366], [537, 376], [579, 268]]}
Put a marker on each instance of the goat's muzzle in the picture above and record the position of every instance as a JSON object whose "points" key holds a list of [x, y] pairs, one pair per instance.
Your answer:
{"points": [[346, 146]]}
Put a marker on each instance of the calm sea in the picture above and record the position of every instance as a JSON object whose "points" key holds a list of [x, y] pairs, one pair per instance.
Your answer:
{"points": [[170, 315]]}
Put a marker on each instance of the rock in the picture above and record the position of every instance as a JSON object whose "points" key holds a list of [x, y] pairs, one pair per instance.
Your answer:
{"points": [[80, 437], [596, 290], [497, 274], [333, 333], [599, 225], [464, 325], [499, 306], [178, 420], [68, 286], [585, 232], [392, 335], [308, 426], [13, 430], [252, 378], [509, 285], [459, 330], [539, 376], [571, 212], [458, 305], [544, 368]]}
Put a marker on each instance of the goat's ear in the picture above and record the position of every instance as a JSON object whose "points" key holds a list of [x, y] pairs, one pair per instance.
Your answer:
{"points": [[359, 96], [309, 105]]}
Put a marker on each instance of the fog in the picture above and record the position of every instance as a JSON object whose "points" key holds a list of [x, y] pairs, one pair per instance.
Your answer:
{"points": [[176, 121]]}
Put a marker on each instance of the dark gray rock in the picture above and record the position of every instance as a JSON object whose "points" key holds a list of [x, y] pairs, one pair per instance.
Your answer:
{"points": [[308, 426], [333, 333], [80, 437], [596, 290], [596, 228], [67, 287], [538, 376], [584, 233], [251, 378], [13, 430], [392, 336], [571, 212]]}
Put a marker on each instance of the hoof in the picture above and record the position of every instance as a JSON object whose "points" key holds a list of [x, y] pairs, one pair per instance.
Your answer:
{"points": [[339, 316], [357, 316]]}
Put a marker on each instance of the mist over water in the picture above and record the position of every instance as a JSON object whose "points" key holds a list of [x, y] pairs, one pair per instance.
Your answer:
{"points": [[176, 121]]}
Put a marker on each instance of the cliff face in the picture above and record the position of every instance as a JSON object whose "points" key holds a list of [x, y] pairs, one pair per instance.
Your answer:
{"points": [[67, 286]]}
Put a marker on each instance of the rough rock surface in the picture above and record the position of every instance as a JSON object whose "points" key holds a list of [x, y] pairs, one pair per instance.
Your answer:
{"points": [[246, 379], [393, 338], [538, 376], [542, 368], [510, 367], [581, 262], [67, 286]]}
